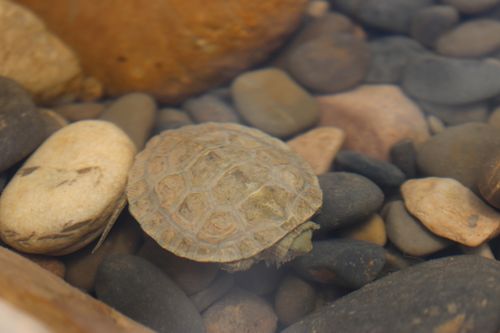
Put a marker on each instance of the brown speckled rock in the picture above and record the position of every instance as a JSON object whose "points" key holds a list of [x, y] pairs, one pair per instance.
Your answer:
{"points": [[171, 49], [240, 312], [451, 210], [374, 117], [318, 147], [294, 299], [33, 56]]}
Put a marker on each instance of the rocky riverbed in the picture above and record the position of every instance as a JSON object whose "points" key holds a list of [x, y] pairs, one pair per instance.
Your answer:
{"points": [[138, 138]]}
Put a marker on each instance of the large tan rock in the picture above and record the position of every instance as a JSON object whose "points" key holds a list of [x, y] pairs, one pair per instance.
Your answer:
{"points": [[66, 192], [318, 147], [374, 117], [34, 300], [32, 56], [451, 210], [169, 48]]}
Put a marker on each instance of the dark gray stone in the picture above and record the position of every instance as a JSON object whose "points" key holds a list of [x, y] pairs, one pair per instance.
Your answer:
{"points": [[404, 155], [459, 152], [344, 262], [220, 287], [22, 128], [457, 114], [347, 198], [210, 107], [170, 118], [391, 15], [260, 279], [429, 23], [141, 291], [452, 81], [390, 56], [453, 294], [329, 64], [382, 173]]}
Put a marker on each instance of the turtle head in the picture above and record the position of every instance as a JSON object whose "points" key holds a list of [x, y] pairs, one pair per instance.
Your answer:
{"points": [[296, 243]]}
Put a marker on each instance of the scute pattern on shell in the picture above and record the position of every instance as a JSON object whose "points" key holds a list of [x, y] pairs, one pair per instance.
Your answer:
{"points": [[220, 192]]}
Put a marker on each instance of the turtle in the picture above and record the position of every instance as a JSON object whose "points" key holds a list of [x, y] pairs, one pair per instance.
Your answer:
{"points": [[224, 193]]}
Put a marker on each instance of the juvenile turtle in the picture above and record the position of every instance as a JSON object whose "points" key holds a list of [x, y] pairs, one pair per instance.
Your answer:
{"points": [[226, 193]]}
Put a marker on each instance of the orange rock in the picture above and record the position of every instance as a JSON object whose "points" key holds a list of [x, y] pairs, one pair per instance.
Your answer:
{"points": [[374, 117], [318, 147], [51, 264], [169, 48], [52, 303]]}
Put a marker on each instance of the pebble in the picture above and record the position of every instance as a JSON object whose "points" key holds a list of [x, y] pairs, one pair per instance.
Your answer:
{"points": [[170, 118], [81, 266], [472, 6], [427, 297], [317, 8], [52, 121], [410, 235], [390, 56], [50, 264], [451, 210], [489, 180], [156, 54], [429, 23], [329, 64], [18, 116], [494, 118], [382, 173], [404, 155], [44, 297], [80, 111], [65, 193], [374, 117], [466, 147], [347, 198], [271, 101], [240, 312], [344, 262], [142, 292], [134, 114], [33, 56], [472, 39], [210, 107], [260, 279], [390, 15], [445, 80], [190, 276], [371, 231], [482, 250], [435, 124], [318, 147], [223, 283], [457, 114], [294, 299]]}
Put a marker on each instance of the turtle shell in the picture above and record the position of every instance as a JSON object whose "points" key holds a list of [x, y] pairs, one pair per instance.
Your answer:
{"points": [[220, 192]]}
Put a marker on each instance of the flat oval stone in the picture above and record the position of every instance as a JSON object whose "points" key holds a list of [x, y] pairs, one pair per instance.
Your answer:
{"points": [[240, 311], [170, 118], [271, 101], [329, 64], [472, 6], [472, 39], [489, 181], [429, 23], [18, 116], [382, 173], [141, 291], [63, 195], [466, 147], [457, 114], [260, 279], [80, 111], [451, 210], [134, 114], [374, 117], [408, 234], [372, 231], [347, 198], [452, 81], [390, 55], [294, 299], [318, 147], [210, 107], [427, 297], [344, 262]]}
